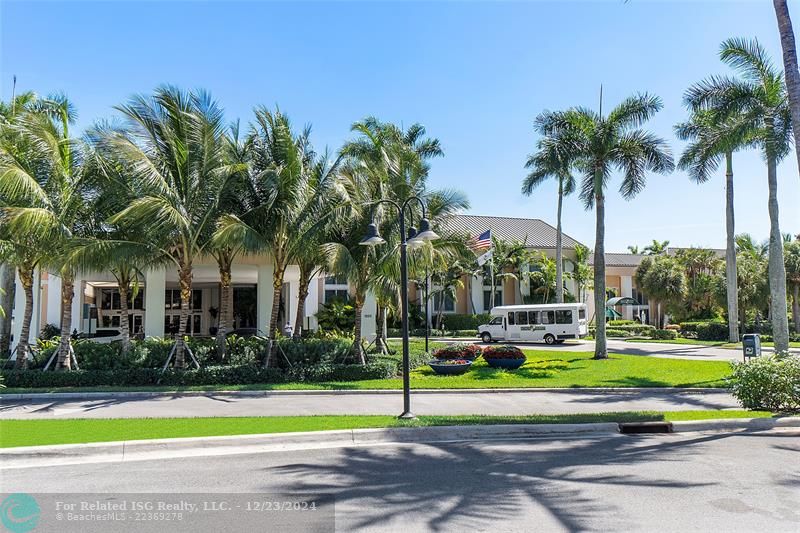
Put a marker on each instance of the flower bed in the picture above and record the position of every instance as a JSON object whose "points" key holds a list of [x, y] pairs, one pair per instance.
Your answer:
{"points": [[504, 356], [450, 366], [458, 350]]}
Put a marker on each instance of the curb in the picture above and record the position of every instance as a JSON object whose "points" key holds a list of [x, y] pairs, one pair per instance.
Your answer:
{"points": [[140, 450], [50, 396]]}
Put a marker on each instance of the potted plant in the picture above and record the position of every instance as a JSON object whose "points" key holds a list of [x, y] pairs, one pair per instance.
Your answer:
{"points": [[504, 356], [450, 366], [458, 350]]}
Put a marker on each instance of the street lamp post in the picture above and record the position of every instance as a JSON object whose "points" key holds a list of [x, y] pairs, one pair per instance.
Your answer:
{"points": [[425, 233]]}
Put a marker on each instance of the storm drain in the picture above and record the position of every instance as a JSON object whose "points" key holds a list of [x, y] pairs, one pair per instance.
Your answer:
{"points": [[631, 428]]}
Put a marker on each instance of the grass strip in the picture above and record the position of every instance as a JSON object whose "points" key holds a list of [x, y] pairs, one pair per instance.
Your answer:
{"points": [[15, 433]]}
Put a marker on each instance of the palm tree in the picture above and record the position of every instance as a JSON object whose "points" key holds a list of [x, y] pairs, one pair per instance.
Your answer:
{"points": [[758, 100], [596, 144], [548, 162], [710, 142], [656, 247], [789, 64], [633, 249], [752, 277], [662, 278], [582, 272], [792, 260], [174, 148], [48, 194]]}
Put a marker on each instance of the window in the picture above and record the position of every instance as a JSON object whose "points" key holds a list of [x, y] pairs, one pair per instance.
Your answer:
{"points": [[487, 298], [336, 289], [336, 294], [172, 299], [336, 280], [548, 317], [449, 305], [522, 318], [496, 321], [533, 317], [564, 317], [109, 300], [582, 313], [637, 295], [511, 318]]}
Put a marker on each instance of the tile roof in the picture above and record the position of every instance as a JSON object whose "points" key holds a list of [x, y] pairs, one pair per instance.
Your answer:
{"points": [[536, 233], [620, 259]]}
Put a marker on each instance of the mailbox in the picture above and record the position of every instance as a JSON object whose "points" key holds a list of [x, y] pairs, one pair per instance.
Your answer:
{"points": [[751, 345]]}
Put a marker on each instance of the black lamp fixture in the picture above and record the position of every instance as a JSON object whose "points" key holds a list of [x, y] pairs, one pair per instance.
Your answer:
{"points": [[411, 239]]}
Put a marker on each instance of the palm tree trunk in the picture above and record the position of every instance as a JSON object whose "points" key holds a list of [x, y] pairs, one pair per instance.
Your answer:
{"points": [[790, 68], [225, 300], [7, 289], [185, 282], [23, 345], [796, 307], [277, 290], [777, 271], [123, 318], [600, 345], [358, 350], [64, 346], [730, 254], [559, 252], [302, 294]]}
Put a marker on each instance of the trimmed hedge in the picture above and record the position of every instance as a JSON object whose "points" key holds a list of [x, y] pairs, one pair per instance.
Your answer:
{"points": [[767, 382], [664, 334], [456, 322], [210, 375], [705, 330]]}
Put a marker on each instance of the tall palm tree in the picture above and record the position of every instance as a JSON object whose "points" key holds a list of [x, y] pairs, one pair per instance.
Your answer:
{"points": [[710, 142], [751, 271], [582, 272], [174, 148], [656, 247], [789, 64], [48, 194], [547, 163], [757, 98], [792, 259], [597, 144]]}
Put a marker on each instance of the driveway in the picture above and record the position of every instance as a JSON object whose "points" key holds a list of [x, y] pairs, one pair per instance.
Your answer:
{"points": [[518, 402]]}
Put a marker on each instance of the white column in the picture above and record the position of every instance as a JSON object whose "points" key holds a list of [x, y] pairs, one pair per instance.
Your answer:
{"points": [[368, 325], [155, 282], [627, 290], [477, 293], [525, 282], [77, 304], [18, 311], [264, 297], [36, 322], [312, 303], [294, 300], [53, 309]]}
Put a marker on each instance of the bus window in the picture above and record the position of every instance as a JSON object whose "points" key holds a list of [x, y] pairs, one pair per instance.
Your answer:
{"points": [[582, 313], [522, 318], [548, 317], [533, 317], [496, 321], [511, 318], [564, 317]]}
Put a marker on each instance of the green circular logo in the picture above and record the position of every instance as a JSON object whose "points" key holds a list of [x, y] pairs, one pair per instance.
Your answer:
{"points": [[20, 512]]}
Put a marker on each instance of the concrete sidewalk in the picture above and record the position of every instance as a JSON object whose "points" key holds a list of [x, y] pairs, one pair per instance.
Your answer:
{"points": [[465, 402]]}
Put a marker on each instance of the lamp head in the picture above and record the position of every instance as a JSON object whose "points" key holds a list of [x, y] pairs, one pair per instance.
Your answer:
{"points": [[425, 231], [373, 237]]}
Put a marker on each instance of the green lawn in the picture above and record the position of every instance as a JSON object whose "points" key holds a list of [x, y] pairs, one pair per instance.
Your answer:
{"points": [[74, 431], [543, 369]]}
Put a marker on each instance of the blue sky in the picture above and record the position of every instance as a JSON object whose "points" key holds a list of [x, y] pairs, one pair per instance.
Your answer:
{"points": [[475, 74]]}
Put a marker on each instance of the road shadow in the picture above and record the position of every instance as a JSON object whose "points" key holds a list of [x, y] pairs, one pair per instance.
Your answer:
{"points": [[469, 486]]}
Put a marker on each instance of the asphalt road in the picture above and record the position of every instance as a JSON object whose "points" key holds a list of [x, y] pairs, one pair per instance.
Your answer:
{"points": [[440, 403], [680, 482]]}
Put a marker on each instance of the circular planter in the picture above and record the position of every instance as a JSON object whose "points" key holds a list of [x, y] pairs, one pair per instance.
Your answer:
{"points": [[508, 364], [449, 369]]}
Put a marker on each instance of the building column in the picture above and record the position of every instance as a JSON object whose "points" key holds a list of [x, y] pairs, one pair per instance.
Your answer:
{"points": [[155, 283], [368, 324], [477, 293], [525, 281], [294, 300], [264, 295], [312, 304], [53, 304], [626, 283], [77, 304]]}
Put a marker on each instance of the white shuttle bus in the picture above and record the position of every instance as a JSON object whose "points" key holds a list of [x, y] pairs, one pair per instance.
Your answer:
{"points": [[549, 323]]}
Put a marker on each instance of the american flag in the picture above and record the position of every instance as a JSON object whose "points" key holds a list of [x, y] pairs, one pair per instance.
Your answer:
{"points": [[481, 242]]}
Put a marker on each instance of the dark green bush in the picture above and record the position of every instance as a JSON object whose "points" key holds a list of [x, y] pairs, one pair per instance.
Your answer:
{"points": [[767, 382], [616, 332], [615, 323], [664, 334], [458, 321], [705, 330]]}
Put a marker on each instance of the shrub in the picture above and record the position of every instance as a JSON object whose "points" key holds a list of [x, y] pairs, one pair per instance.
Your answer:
{"points": [[336, 316], [502, 351], [470, 322], [705, 330], [458, 350], [768, 382], [664, 334], [614, 332], [614, 323], [209, 375]]}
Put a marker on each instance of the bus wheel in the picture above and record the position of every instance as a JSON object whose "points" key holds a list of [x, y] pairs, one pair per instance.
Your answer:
{"points": [[486, 337], [549, 339]]}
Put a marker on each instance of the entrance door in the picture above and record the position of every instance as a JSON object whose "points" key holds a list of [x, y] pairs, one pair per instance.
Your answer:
{"points": [[513, 331]]}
